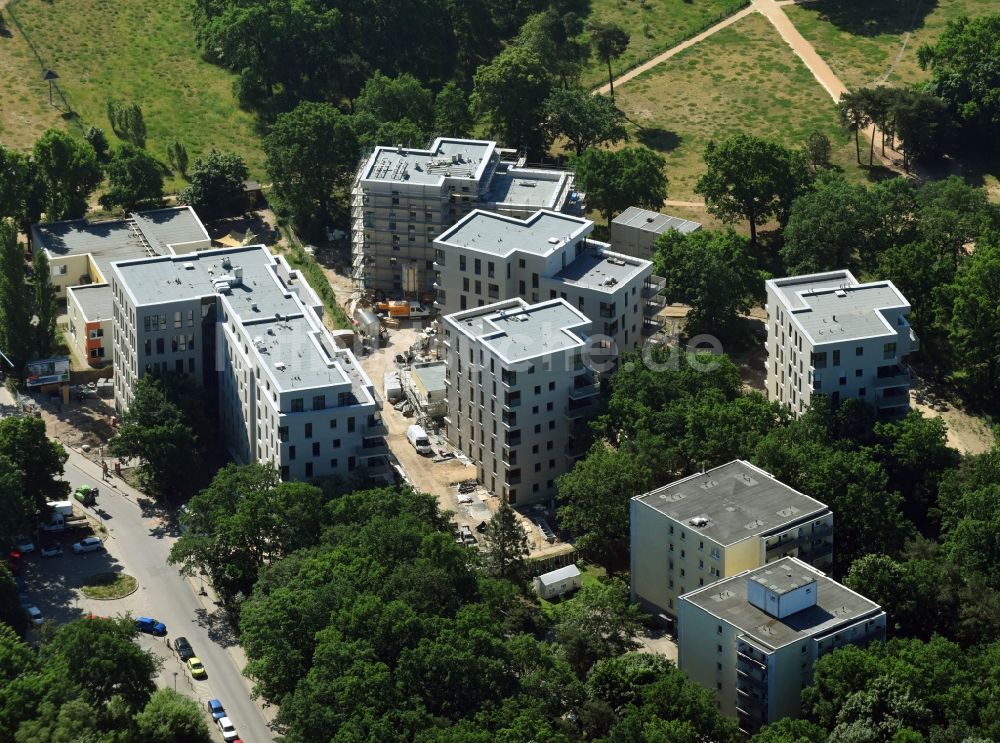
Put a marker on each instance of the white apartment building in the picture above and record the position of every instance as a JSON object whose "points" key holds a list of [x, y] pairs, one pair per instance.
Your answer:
{"points": [[715, 524], [519, 394], [488, 257], [827, 334], [752, 639], [249, 328], [635, 231], [403, 198], [80, 255]]}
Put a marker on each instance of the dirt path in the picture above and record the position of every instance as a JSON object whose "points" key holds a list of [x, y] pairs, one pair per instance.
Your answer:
{"points": [[674, 50]]}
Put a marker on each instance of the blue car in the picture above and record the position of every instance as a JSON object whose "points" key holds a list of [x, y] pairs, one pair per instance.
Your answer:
{"points": [[215, 709], [150, 625]]}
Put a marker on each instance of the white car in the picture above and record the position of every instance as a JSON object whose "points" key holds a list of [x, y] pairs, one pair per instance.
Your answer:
{"points": [[227, 728], [25, 545], [53, 550], [90, 544], [34, 614]]}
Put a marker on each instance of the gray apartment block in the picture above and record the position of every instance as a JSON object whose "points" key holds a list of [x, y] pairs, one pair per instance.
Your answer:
{"points": [[752, 639], [244, 324], [403, 198], [718, 523], [829, 334], [519, 393], [635, 231], [488, 257]]}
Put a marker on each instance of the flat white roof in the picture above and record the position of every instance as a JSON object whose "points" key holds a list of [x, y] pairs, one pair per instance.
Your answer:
{"points": [[655, 222], [833, 307], [500, 235], [554, 576]]}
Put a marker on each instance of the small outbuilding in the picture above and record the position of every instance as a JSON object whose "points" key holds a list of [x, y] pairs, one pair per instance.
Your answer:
{"points": [[558, 582]]}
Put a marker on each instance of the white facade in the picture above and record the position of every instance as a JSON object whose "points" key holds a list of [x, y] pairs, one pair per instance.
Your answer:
{"points": [[711, 525], [827, 334], [489, 257], [403, 198], [635, 231], [752, 639], [558, 582], [519, 394], [245, 325]]}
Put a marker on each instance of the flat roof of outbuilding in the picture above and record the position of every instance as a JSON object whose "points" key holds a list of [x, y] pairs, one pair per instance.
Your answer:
{"points": [[95, 301], [500, 235], [650, 221], [737, 500]]}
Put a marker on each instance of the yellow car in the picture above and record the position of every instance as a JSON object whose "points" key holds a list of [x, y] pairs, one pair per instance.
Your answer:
{"points": [[197, 669]]}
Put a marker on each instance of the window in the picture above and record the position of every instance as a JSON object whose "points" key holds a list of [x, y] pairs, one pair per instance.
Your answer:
{"points": [[718, 628], [461, 263], [718, 648], [315, 448], [159, 345], [843, 381], [291, 452], [861, 392], [333, 464], [889, 351], [477, 267], [859, 351], [99, 333], [836, 358], [284, 472], [309, 430], [309, 469], [319, 402], [177, 319], [350, 424], [297, 405]]}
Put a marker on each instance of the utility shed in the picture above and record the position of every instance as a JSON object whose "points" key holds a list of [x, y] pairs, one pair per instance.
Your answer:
{"points": [[558, 582], [429, 387], [634, 231]]}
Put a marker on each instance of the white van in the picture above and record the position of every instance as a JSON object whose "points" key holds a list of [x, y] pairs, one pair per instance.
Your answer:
{"points": [[417, 436]]}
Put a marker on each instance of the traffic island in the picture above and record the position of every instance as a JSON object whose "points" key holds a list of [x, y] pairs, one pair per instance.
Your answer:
{"points": [[109, 586]]}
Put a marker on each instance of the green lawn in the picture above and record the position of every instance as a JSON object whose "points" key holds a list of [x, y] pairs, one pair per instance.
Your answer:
{"points": [[862, 40], [144, 52], [109, 586], [654, 26], [743, 78]]}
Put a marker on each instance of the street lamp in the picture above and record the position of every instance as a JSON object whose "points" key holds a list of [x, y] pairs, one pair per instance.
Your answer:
{"points": [[175, 681]]}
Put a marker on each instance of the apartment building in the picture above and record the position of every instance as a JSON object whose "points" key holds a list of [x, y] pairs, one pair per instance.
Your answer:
{"points": [[519, 393], [246, 326], [635, 231], [403, 198], [80, 255], [488, 257], [752, 639], [715, 524], [828, 334]]}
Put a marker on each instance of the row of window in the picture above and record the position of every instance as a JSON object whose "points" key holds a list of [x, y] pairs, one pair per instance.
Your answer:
{"points": [[159, 322]]}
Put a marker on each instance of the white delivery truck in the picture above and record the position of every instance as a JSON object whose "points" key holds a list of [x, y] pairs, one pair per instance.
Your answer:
{"points": [[417, 436], [62, 517]]}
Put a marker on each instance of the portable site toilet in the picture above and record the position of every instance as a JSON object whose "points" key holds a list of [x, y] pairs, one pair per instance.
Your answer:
{"points": [[558, 582]]}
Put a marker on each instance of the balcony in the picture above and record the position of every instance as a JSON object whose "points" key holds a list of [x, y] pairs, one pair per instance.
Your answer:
{"points": [[576, 447], [376, 428], [914, 342], [511, 401], [586, 409], [653, 287], [373, 448], [584, 385], [894, 375]]}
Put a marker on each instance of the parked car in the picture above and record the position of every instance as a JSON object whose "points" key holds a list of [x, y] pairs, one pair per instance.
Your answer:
{"points": [[24, 545], [227, 728], [34, 614], [197, 668], [90, 544], [183, 648], [215, 709], [53, 550], [150, 626]]}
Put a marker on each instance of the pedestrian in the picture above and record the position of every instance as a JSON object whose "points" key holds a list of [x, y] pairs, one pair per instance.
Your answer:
{"points": [[118, 468], [104, 470]]}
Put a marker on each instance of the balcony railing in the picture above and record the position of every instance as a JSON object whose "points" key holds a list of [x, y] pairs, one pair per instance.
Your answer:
{"points": [[892, 376], [584, 386], [914, 341], [584, 410]]}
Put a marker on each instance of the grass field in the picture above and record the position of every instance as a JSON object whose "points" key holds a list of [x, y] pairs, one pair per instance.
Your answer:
{"points": [[862, 40], [109, 586], [24, 97], [143, 52], [654, 26], [743, 78]]}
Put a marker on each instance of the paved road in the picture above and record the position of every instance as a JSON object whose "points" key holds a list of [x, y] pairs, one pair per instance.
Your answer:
{"points": [[141, 543]]}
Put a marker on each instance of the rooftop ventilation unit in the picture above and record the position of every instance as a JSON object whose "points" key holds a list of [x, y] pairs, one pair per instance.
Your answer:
{"points": [[553, 241], [189, 266], [841, 293], [226, 263], [698, 521], [279, 365]]}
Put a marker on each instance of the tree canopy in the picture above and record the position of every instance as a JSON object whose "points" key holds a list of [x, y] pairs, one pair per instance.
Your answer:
{"points": [[216, 185], [514, 119], [135, 178], [68, 172], [617, 179]]}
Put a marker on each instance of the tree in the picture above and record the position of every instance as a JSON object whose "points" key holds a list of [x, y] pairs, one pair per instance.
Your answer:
{"points": [[506, 545], [610, 42], [510, 92], [172, 718], [246, 519], [20, 190], [557, 39], [216, 185], [831, 227], [752, 178], [920, 121], [853, 117], [817, 146], [975, 320], [97, 139], [713, 272], [451, 112], [311, 151], [177, 156], [953, 216], [969, 87], [154, 430], [127, 121], [616, 180], [594, 499], [885, 581], [384, 99], [16, 331], [11, 612], [599, 622], [68, 172], [135, 178], [585, 119], [40, 460], [878, 713], [790, 730], [45, 307]]}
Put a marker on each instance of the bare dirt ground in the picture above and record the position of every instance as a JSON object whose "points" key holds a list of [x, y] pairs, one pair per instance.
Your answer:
{"points": [[968, 433]]}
